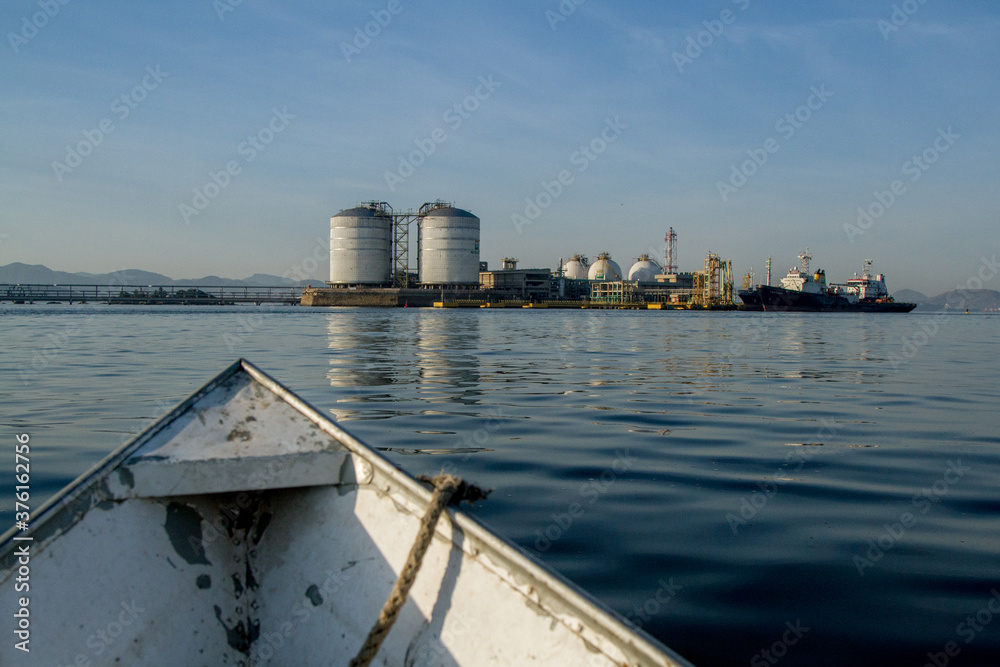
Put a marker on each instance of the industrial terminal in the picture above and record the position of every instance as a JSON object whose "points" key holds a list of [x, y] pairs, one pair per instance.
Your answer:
{"points": [[370, 266]]}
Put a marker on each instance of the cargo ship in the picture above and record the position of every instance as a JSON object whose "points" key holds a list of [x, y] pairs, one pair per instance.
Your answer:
{"points": [[802, 291], [751, 299]]}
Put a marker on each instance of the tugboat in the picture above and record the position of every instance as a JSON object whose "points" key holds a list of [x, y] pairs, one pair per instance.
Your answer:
{"points": [[802, 291]]}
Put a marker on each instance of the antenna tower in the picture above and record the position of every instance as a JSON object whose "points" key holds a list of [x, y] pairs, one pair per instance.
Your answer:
{"points": [[670, 250]]}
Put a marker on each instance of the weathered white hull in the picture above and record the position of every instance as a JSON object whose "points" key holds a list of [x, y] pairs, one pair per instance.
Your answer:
{"points": [[245, 528]]}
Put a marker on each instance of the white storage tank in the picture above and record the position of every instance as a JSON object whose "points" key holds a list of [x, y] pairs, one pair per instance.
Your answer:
{"points": [[447, 245], [576, 268], [361, 245], [604, 269], [645, 270]]}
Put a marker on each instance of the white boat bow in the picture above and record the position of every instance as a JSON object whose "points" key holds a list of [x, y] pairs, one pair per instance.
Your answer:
{"points": [[246, 528]]}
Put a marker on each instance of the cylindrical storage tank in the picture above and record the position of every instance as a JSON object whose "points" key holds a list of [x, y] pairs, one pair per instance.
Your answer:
{"points": [[361, 246], [604, 269], [576, 268], [644, 270], [447, 246]]}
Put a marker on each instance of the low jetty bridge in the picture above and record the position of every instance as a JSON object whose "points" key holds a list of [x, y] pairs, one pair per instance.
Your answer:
{"points": [[148, 294]]}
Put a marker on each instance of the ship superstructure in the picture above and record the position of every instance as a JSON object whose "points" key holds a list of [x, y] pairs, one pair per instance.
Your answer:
{"points": [[804, 291], [865, 286]]}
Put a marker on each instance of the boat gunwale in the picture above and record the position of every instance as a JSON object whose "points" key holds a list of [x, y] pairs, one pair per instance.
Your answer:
{"points": [[495, 545], [631, 640]]}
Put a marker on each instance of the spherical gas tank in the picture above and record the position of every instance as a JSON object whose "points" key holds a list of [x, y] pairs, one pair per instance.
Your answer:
{"points": [[644, 270], [576, 268], [604, 269]]}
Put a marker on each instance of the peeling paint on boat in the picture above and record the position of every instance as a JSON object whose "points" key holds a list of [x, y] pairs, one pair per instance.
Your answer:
{"points": [[245, 483], [183, 526]]}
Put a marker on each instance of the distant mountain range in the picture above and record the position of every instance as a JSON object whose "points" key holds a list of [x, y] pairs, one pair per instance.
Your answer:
{"points": [[977, 299], [911, 296], [42, 275]]}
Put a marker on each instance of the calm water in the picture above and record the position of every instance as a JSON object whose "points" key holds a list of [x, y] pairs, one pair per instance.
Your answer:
{"points": [[717, 478]]}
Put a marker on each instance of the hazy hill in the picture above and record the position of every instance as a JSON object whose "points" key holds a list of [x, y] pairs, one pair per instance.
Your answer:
{"points": [[911, 296], [223, 282], [978, 299], [125, 276], [36, 273], [18, 272], [39, 274], [267, 280]]}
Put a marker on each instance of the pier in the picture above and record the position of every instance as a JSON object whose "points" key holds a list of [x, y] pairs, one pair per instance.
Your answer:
{"points": [[579, 304], [210, 295]]}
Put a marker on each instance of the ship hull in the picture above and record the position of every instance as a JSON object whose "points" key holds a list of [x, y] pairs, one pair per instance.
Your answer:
{"points": [[781, 299], [750, 299]]}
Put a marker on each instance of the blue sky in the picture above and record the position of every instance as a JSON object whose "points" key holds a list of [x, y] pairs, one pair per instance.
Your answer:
{"points": [[333, 115]]}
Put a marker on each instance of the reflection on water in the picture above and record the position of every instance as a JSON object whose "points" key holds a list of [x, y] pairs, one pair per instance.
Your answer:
{"points": [[447, 356], [369, 350], [712, 408], [800, 426], [364, 353]]}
